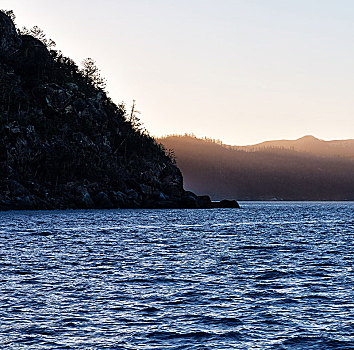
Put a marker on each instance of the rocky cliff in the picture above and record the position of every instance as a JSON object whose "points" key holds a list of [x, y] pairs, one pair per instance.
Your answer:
{"points": [[65, 144]]}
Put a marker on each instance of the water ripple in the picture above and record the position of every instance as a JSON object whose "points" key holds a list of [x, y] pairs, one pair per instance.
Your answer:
{"points": [[268, 276]]}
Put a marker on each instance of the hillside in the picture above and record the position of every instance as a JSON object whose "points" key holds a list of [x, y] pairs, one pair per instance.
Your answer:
{"points": [[65, 144], [265, 174]]}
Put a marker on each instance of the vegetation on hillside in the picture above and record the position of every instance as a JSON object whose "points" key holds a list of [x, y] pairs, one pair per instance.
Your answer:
{"points": [[59, 128]]}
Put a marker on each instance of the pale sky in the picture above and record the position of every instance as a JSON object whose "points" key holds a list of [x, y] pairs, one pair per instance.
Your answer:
{"points": [[242, 71]]}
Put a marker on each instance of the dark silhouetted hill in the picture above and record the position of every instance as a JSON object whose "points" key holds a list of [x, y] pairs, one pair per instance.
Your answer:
{"points": [[276, 171], [65, 144]]}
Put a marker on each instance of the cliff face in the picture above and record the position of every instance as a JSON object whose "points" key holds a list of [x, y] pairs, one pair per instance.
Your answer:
{"points": [[65, 144]]}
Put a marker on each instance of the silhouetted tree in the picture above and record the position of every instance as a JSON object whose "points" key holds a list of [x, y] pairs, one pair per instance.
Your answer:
{"points": [[38, 33], [134, 119], [93, 74]]}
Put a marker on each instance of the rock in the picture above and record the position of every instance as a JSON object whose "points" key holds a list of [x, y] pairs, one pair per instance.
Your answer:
{"points": [[24, 203], [119, 199], [133, 184], [72, 86], [204, 202], [190, 194], [166, 204], [41, 204], [13, 128], [83, 199], [16, 189], [172, 189], [188, 201], [145, 190], [133, 204], [102, 201], [225, 204], [132, 194], [158, 196], [79, 105]]}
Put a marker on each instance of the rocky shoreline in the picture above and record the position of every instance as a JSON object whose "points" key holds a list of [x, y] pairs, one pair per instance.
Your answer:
{"points": [[18, 197]]}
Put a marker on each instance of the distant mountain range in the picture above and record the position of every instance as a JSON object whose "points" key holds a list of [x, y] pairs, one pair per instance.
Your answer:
{"points": [[304, 169], [308, 144]]}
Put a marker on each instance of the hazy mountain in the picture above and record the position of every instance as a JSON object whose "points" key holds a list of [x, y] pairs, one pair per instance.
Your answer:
{"points": [[309, 144], [305, 169]]}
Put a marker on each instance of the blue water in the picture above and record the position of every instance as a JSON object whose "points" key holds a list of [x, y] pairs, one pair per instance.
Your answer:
{"points": [[267, 276]]}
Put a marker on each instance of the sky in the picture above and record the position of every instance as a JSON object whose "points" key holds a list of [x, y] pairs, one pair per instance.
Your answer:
{"points": [[242, 71]]}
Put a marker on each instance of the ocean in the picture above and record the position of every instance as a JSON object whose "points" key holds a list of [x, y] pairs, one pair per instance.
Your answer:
{"points": [[271, 275]]}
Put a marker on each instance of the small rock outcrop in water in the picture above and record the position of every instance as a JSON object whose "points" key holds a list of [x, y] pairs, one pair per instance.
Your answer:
{"points": [[65, 144]]}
